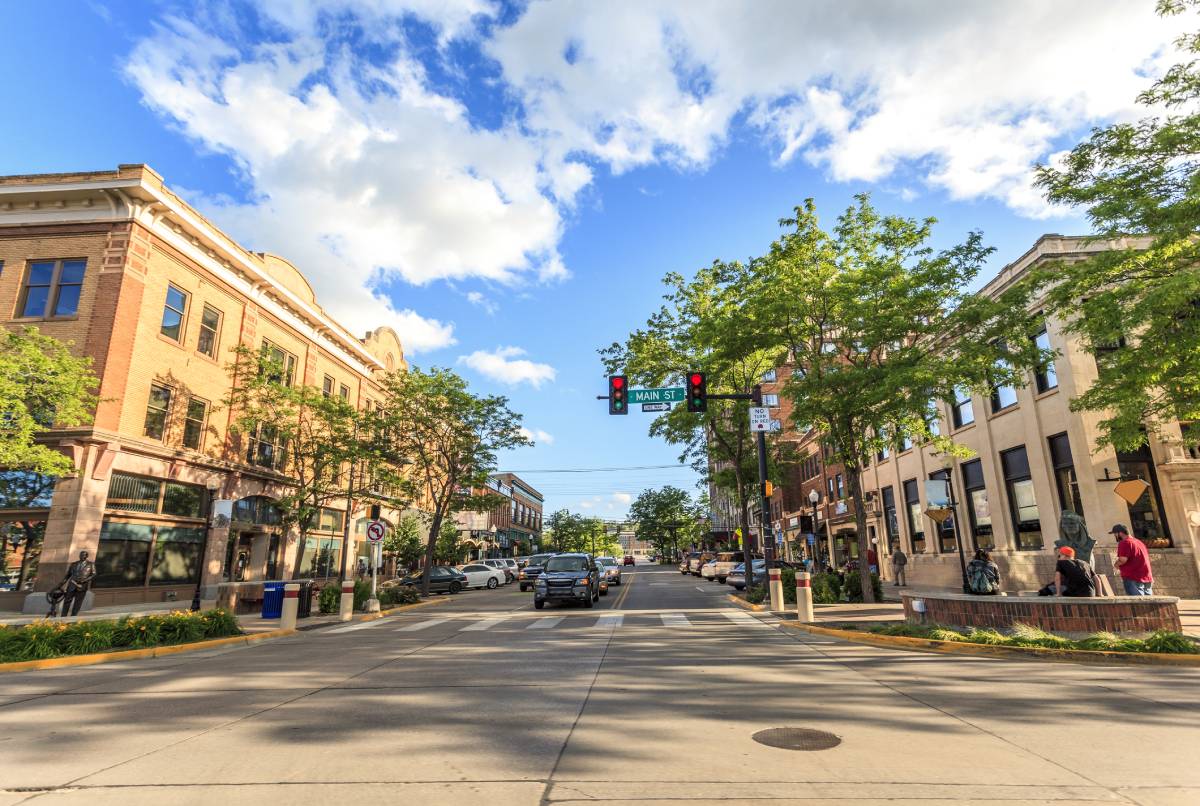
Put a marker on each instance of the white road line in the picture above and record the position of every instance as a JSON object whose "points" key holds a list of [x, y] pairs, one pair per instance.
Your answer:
{"points": [[545, 623], [614, 620], [740, 617], [675, 620], [486, 624], [421, 625], [366, 625]]}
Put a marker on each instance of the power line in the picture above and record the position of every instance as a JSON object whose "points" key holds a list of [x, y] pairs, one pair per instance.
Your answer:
{"points": [[594, 469]]}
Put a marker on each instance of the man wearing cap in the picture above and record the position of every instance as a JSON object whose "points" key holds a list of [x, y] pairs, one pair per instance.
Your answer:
{"points": [[1073, 577], [1133, 561]]}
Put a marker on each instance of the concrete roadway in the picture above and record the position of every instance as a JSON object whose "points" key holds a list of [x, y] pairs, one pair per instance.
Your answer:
{"points": [[654, 695]]}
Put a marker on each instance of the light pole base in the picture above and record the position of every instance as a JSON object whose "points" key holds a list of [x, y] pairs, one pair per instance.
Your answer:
{"points": [[372, 606]]}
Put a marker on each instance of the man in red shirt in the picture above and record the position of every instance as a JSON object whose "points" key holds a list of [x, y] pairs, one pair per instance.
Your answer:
{"points": [[1133, 561]]}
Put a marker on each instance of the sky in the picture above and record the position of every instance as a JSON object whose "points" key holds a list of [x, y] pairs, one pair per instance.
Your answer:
{"points": [[506, 184]]}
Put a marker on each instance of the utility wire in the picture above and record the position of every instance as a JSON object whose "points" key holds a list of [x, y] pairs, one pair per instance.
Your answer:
{"points": [[595, 469]]}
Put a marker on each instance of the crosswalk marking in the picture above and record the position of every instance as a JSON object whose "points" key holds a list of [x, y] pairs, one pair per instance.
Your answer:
{"points": [[483, 626], [366, 625], [545, 623], [675, 620], [614, 621], [421, 625], [739, 616]]}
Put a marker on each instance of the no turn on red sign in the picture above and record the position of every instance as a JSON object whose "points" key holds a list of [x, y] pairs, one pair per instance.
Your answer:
{"points": [[376, 531]]}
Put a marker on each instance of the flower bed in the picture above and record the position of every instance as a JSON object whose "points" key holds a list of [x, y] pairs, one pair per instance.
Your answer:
{"points": [[1023, 635], [53, 639]]}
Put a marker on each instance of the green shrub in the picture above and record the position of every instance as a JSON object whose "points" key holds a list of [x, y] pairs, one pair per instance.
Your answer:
{"points": [[978, 636], [1026, 635], [826, 589], [396, 595], [35, 641], [756, 594], [1171, 642], [87, 637], [362, 592], [854, 587], [329, 599], [180, 627], [903, 629], [944, 634], [788, 576], [219, 623]]}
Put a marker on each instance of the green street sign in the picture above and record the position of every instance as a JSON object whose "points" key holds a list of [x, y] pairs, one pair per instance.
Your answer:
{"points": [[671, 395]]}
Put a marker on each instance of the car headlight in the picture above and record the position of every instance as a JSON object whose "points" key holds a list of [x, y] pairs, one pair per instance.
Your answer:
{"points": [[581, 581]]}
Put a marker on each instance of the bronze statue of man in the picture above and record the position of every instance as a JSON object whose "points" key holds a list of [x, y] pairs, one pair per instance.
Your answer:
{"points": [[75, 586]]}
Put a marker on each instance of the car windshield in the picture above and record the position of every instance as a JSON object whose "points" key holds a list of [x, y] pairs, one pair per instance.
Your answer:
{"points": [[606, 561], [567, 564], [538, 559]]}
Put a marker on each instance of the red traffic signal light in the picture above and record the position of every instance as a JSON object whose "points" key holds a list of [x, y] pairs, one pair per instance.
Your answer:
{"points": [[618, 401], [697, 392]]}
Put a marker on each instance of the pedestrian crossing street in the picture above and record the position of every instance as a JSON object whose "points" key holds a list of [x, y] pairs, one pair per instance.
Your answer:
{"points": [[524, 621]]}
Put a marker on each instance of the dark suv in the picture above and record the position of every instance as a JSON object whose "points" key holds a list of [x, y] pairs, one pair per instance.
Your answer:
{"points": [[532, 569], [567, 578]]}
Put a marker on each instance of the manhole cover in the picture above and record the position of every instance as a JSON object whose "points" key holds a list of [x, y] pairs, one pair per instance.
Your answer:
{"points": [[797, 739]]}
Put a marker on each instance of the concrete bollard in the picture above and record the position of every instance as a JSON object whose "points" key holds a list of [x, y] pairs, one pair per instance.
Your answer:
{"points": [[346, 605], [776, 591], [291, 606], [804, 603]]}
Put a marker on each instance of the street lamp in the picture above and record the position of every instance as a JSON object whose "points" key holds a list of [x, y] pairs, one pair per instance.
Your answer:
{"points": [[814, 498], [212, 485], [948, 466]]}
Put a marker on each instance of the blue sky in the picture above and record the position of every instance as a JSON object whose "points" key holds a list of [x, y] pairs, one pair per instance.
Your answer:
{"points": [[507, 184]]}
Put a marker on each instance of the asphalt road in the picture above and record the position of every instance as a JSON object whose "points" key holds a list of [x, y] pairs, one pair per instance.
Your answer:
{"points": [[653, 695]]}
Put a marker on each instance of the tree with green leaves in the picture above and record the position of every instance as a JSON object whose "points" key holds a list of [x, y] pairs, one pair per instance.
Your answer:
{"points": [[318, 444], [403, 542], [701, 328], [450, 549], [876, 325], [667, 518], [450, 438], [564, 531], [1137, 309], [42, 386]]}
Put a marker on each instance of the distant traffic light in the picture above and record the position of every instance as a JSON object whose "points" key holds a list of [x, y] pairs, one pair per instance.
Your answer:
{"points": [[697, 392], [768, 489], [618, 395]]}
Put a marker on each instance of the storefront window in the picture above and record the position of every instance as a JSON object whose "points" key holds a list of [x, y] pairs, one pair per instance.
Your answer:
{"points": [[123, 554], [322, 558], [176, 555], [133, 493], [912, 502], [945, 530], [978, 509], [891, 522], [1145, 514], [183, 500], [1064, 475], [1022, 499]]}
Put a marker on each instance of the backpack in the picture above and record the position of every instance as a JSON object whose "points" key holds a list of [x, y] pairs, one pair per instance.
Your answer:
{"points": [[982, 578]]}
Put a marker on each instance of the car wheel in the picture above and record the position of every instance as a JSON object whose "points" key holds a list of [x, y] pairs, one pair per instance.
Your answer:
{"points": [[721, 580], [538, 604], [589, 602], [455, 587], [524, 587], [492, 583]]}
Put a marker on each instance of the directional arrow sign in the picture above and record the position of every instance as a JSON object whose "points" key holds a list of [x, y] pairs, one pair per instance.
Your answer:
{"points": [[656, 407], [666, 395]]}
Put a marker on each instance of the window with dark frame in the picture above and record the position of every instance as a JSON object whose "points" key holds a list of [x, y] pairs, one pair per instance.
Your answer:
{"points": [[52, 289], [912, 503], [285, 361], [1065, 480], [1046, 376], [962, 411], [156, 411], [945, 542], [891, 522], [344, 392], [327, 386], [193, 423], [1003, 396], [267, 448], [210, 332], [174, 311], [978, 509], [841, 486], [1022, 500]]}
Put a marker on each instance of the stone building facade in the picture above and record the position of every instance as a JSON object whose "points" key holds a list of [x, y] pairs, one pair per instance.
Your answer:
{"points": [[510, 530], [157, 296]]}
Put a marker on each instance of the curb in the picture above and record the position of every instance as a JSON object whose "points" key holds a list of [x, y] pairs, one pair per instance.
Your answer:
{"points": [[380, 614], [740, 602], [136, 654], [991, 651]]}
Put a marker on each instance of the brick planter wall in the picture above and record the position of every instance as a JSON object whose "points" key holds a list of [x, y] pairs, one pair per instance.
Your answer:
{"points": [[1119, 614]]}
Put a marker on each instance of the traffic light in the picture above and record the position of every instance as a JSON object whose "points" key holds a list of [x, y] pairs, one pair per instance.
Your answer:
{"points": [[374, 512], [768, 489], [697, 392], [618, 394]]}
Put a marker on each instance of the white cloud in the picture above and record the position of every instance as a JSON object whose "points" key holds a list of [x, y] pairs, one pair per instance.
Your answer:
{"points": [[505, 366], [479, 300], [537, 435], [622, 498]]}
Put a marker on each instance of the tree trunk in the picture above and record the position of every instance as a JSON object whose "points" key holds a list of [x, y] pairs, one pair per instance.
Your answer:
{"points": [[430, 549], [860, 523]]}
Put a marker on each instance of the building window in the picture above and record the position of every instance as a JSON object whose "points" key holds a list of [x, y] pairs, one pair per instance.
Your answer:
{"points": [[1022, 500], [906, 443], [267, 448], [891, 522], [769, 376], [129, 493], [829, 485], [841, 487], [883, 454], [933, 420], [210, 332], [945, 530], [327, 386], [1145, 515], [978, 510], [344, 392], [1046, 376], [1003, 397], [123, 554], [193, 424], [330, 520], [283, 363], [770, 400], [52, 289], [174, 310], [912, 505], [1065, 480], [156, 411], [962, 411]]}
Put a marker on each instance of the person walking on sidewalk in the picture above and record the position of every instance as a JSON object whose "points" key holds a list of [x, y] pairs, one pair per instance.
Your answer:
{"points": [[899, 563], [1133, 561]]}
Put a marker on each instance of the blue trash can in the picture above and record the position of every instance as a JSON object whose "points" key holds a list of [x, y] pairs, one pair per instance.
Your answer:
{"points": [[272, 600]]}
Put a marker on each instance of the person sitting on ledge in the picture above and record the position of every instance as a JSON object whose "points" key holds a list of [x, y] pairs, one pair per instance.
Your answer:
{"points": [[983, 575], [1073, 577]]}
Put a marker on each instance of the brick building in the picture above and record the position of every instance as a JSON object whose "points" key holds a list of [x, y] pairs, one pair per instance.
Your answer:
{"points": [[157, 296], [509, 530]]}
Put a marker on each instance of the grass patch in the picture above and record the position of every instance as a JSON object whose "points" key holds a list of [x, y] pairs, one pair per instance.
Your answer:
{"points": [[54, 639], [1162, 641]]}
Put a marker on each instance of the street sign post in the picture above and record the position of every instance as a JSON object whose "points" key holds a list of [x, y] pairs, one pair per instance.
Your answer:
{"points": [[656, 407], [376, 531], [673, 394]]}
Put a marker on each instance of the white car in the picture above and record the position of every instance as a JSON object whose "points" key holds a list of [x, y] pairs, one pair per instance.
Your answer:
{"points": [[502, 566], [481, 576], [709, 570], [726, 562], [609, 570]]}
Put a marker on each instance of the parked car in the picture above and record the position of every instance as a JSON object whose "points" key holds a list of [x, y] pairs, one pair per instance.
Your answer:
{"points": [[685, 565], [442, 579], [480, 575], [697, 562], [7, 583], [501, 565], [511, 565], [709, 570], [726, 561], [609, 570], [737, 577], [629, 560], [567, 578], [531, 570], [521, 561]]}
